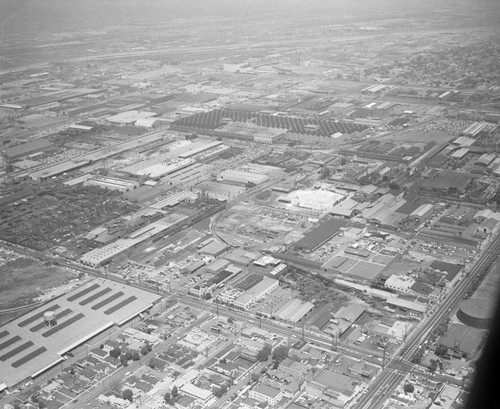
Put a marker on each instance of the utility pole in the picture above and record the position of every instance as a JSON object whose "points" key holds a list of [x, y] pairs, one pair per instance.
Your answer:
{"points": [[217, 305]]}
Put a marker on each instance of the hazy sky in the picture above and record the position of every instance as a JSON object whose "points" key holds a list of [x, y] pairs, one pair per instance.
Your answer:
{"points": [[32, 17]]}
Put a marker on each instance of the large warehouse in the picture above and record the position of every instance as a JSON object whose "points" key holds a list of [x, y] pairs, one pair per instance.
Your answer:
{"points": [[237, 176], [479, 310], [37, 341]]}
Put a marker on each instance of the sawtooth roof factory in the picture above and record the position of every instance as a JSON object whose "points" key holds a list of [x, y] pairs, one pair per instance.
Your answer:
{"points": [[35, 342]]}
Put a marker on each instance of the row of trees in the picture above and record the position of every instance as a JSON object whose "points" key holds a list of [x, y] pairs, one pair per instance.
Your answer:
{"points": [[170, 397], [277, 354], [125, 357]]}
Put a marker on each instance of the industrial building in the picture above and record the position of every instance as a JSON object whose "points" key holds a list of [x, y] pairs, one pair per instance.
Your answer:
{"points": [[462, 341], [37, 341], [266, 393], [214, 248], [199, 147], [242, 177], [28, 148], [334, 388], [129, 117], [157, 170], [485, 159], [100, 256], [400, 283], [320, 234], [94, 156], [422, 212], [187, 176], [479, 310], [294, 310], [406, 305], [475, 129], [111, 183], [219, 191], [261, 289], [173, 199]]}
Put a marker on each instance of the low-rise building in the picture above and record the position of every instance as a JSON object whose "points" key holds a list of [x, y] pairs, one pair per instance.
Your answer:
{"points": [[258, 291], [400, 283], [266, 393], [294, 368], [242, 177], [462, 341]]}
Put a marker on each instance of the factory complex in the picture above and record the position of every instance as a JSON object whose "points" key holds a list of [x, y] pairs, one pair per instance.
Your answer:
{"points": [[39, 340]]}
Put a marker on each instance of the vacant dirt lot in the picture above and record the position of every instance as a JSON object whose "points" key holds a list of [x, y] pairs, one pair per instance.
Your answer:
{"points": [[24, 278]]}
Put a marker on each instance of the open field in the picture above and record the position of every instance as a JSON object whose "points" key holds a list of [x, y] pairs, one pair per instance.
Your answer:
{"points": [[23, 278]]}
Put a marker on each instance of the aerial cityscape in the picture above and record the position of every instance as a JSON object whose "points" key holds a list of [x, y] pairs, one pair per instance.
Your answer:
{"points": [[225, 204]]}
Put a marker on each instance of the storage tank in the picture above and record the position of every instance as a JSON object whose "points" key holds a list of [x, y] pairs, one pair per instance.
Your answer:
{"points": [[49, 318]]}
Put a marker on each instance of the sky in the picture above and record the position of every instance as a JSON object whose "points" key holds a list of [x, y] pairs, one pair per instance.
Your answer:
{"points": [[32, 17]]}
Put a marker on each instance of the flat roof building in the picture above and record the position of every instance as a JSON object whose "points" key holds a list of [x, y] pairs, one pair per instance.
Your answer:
{"points": [[25, 149], [266, 393], [100, 256], [462, 341], [258, 291], [219, 191], [242, 177], [29, 346], [111, 183], [294, 310]]}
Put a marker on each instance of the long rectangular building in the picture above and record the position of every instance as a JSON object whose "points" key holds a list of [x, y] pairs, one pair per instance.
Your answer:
{"points": [[237, 176], [104, 254], [259, 290], [37, 341]]}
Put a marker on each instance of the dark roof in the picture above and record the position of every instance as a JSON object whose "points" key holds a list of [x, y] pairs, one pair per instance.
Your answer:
{"points": [[27, 148], [446, 179], [321, 317], [320, 234], [450, 269], [421, 288], [430, 277], [463, 338]]}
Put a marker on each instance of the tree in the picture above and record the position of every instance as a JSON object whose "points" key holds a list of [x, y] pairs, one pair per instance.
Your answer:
{"points": [[325, 172], [115, 352], [128, 395], [128, 356], [174, 392], [280, 353], [433, 366], [136, 356], [167, 397], [144, 350], [219, 393], [123, 360], [409, 388], [255, 376], [441, 351], [264, 353]]}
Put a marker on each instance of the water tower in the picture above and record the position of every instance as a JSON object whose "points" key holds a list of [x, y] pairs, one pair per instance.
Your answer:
{"points": [[49, 318]]}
